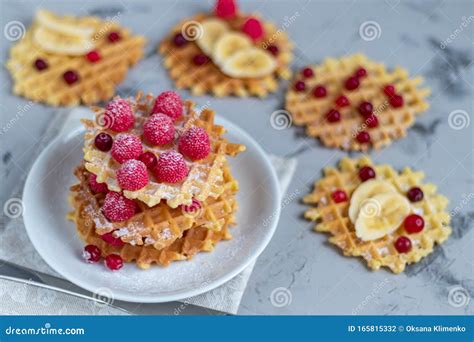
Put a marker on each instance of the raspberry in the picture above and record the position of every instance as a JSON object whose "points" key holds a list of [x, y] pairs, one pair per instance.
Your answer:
{"points": [[225, 9], [194, 143], [91, 254], [70, 77], [168, 103], [114, 262], [119, 114], [93, 56], [253, 28], [339, 196], [112, 240], [149, 159], [40, 64], [97, 188], [114, 37], [132, 175], [103, 142], [117, 207], [170, 168], [158, 129], [126, 146]]}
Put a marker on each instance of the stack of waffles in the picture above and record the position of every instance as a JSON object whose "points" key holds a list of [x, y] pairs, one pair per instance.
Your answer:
{"points": [[67, 60], [227, 53], [155, 185]]}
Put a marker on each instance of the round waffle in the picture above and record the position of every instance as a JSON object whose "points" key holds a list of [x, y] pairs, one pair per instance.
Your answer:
{"points": [[311, 111], [333, 218]]}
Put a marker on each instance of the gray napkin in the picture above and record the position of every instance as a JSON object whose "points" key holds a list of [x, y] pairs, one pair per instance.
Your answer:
{"points": [[16, 247]]}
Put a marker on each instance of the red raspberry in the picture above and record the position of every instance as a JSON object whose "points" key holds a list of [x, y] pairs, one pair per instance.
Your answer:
{"points": [[93, 56], [91, 254], [169, 103], [149, 159], [225, 9], [97, 188], [132, 175], [339, 196], [158, 129], [342, 101], [170, 168], [114, 37], [114, 262], [194, 143], [126, 146], [253, 28], [117, 207], [119, 114], [112, 240]]}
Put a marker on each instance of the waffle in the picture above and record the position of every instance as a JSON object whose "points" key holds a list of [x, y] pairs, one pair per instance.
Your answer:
{"points": [[159, 226], [333, 217], [97, 80], [209, 78], [205, 178], [307, 110], [195, 240]]}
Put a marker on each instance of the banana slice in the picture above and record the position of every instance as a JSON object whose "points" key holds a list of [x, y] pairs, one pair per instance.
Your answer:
{"points": [[381, 215], [212, 29], [249, 62], [63, 25], [366, 190], [228, 44], [66, 45]]}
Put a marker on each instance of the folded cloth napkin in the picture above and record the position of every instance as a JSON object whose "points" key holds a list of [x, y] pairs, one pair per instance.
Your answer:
{"points": [[16, 248]]}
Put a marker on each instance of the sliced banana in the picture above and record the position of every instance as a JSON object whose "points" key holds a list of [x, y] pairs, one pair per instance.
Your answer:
{"points": [[66, 45], [366, 190], [228, 44], [381, 215], [248, 63], [212, 29], [63, 25]]}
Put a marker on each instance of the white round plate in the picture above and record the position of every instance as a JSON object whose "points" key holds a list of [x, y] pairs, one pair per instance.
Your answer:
{"points": [[45, 197]]}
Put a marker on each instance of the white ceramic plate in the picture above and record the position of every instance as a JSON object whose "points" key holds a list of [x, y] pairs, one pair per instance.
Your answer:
{"points": [[45, 197]]}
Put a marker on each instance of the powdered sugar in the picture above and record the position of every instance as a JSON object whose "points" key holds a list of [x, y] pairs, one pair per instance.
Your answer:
{"points": [[126, 146], [132, 175], [170, 104], [118, 116]]}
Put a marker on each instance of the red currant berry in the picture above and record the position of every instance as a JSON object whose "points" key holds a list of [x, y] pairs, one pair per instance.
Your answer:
{"points": [[273, 49], [319, 91], [415, 194], [114, 262], [352, 83], [149, 159], [361, 72], [333, 116], [414, 224], [342, 101], [200, 59], [339, 196], [103, 142], [40, 64], [396, 101], [366, 173], [179, 40], [366, 108], [300, 86], [114, 37], [70, 77], [91, 254], [93, 56], [308, 72], [363, 137], [389, 90], [403, 244], [372, 121]]}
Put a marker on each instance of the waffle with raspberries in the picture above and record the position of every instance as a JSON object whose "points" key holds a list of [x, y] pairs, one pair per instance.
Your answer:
{"points": [[387, 217], [193, 53], [355, 104], [66, 61], [155, 185]]}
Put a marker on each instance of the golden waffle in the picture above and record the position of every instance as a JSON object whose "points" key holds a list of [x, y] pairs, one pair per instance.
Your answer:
{"points": [[195, 240], [333, 217], [159, 226], [307, 110], [209, 78], [205, 178], [97, 80]]}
